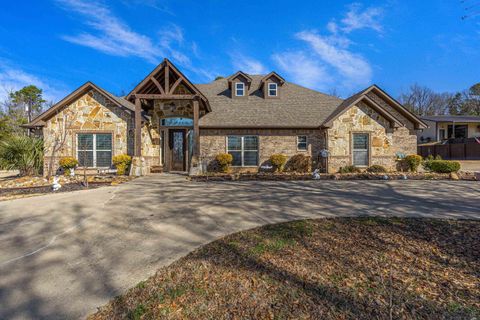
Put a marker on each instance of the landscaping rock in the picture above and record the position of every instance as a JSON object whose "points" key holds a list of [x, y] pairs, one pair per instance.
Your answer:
{"points": [[454, 176]]}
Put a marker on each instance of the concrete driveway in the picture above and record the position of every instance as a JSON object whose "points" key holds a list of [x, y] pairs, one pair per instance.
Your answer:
{"points": [[63, 255]]}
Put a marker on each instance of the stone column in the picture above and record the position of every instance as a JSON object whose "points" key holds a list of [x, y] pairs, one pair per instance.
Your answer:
{"points": [[138, 128], [138, 167], [195, 163]]}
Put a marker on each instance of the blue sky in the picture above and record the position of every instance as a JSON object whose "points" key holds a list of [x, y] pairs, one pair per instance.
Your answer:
{"points": [[331, 46]]}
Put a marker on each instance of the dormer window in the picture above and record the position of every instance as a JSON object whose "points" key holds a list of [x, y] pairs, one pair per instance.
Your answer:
{"points": [[271, 85], [239, 89], [272, 89]]}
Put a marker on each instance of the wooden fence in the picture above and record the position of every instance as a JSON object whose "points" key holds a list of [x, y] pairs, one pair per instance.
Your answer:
{"points": [[452, 151]]}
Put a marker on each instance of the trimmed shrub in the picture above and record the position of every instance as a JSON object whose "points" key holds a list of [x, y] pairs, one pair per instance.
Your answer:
{"points": [[299, 163], [413, 161], [349, 169], [121, 162], [67, 164], [22, 153], [224, 161], [428, 161], [444, 166], [278, 160], [376, 168]]}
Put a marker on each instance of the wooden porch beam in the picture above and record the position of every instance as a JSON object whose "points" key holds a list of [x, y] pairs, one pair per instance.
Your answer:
{"points": [[138, 128], [167, 78], [175, 85], [158, 85], [166, 96]]}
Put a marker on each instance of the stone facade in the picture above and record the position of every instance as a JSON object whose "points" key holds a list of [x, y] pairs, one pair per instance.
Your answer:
{"points": [[91, 113], [385, 141], [270, 141]]}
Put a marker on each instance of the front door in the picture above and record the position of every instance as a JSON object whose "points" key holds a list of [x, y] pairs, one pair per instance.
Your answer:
{"points": [[177, 149]]}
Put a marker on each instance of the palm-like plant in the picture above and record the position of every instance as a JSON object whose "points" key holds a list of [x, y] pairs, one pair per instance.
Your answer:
{"points": [[22, 153]]}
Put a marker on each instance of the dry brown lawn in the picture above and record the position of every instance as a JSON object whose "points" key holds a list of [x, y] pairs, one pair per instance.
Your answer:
{"points": [[344, 268]]}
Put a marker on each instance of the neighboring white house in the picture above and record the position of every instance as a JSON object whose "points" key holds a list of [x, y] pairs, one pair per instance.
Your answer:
{"points": [[449, 127]]}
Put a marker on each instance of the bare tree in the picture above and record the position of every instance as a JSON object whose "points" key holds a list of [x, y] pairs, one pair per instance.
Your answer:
{"points": [[424, 101], [60, 133]]}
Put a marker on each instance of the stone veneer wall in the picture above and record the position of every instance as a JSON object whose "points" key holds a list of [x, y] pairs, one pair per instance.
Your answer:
{"points": [[213, 142], [92, 112], [385, 141]]}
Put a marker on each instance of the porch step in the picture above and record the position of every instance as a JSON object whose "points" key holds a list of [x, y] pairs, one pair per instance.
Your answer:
{"points": [[156, 169]]}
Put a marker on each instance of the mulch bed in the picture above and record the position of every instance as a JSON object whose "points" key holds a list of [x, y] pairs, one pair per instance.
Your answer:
{"points": [[8, 192], [342, 268], [346, 176], [20, 187]]}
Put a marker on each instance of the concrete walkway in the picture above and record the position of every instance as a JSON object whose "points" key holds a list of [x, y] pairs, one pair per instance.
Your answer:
{"points": [[62, 255]]}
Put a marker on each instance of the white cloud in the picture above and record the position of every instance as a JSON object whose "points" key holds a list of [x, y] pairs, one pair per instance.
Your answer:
{"points": [[331, 52], [354, 68], [356, 19], [247, 64], [12, 79], [303, 69], [155, 4], [112, 36]]}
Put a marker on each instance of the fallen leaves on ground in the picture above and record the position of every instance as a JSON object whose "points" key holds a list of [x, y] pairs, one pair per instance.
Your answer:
{"points": [[342, 268]]}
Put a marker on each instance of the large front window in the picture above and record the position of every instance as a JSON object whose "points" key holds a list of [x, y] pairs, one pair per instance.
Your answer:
{"points": [[94, 150], [244, 150]]}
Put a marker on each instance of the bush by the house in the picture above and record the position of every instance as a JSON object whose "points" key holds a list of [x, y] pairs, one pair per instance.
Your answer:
{"points": [[444, 166], [413, 161], [121, 162], [278, 161], [428, 160], [22, 153], [349, 169], [299, 163], [67, 164], [224, 161], [376, 168]]}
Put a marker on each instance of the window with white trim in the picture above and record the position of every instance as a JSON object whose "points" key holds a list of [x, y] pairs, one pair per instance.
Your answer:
{"points": [[272, 89], [244, 150], [239, 89], [302, 143], [94, 150]]}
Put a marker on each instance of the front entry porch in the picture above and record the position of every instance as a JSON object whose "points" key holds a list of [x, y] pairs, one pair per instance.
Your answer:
{"points": [[169, 104]]}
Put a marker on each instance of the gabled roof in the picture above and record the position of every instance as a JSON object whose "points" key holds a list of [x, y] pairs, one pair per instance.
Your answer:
{"points": [[273, 74], [363, 96], [157, 80], [240, 73], [297, 107], [39, 121]]}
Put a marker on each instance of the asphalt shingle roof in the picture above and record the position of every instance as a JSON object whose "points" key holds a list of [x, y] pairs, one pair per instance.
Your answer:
{"points": [[296, 107]]}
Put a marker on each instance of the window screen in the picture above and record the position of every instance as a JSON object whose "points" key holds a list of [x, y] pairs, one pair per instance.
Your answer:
{"points": [[360, 149]]}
